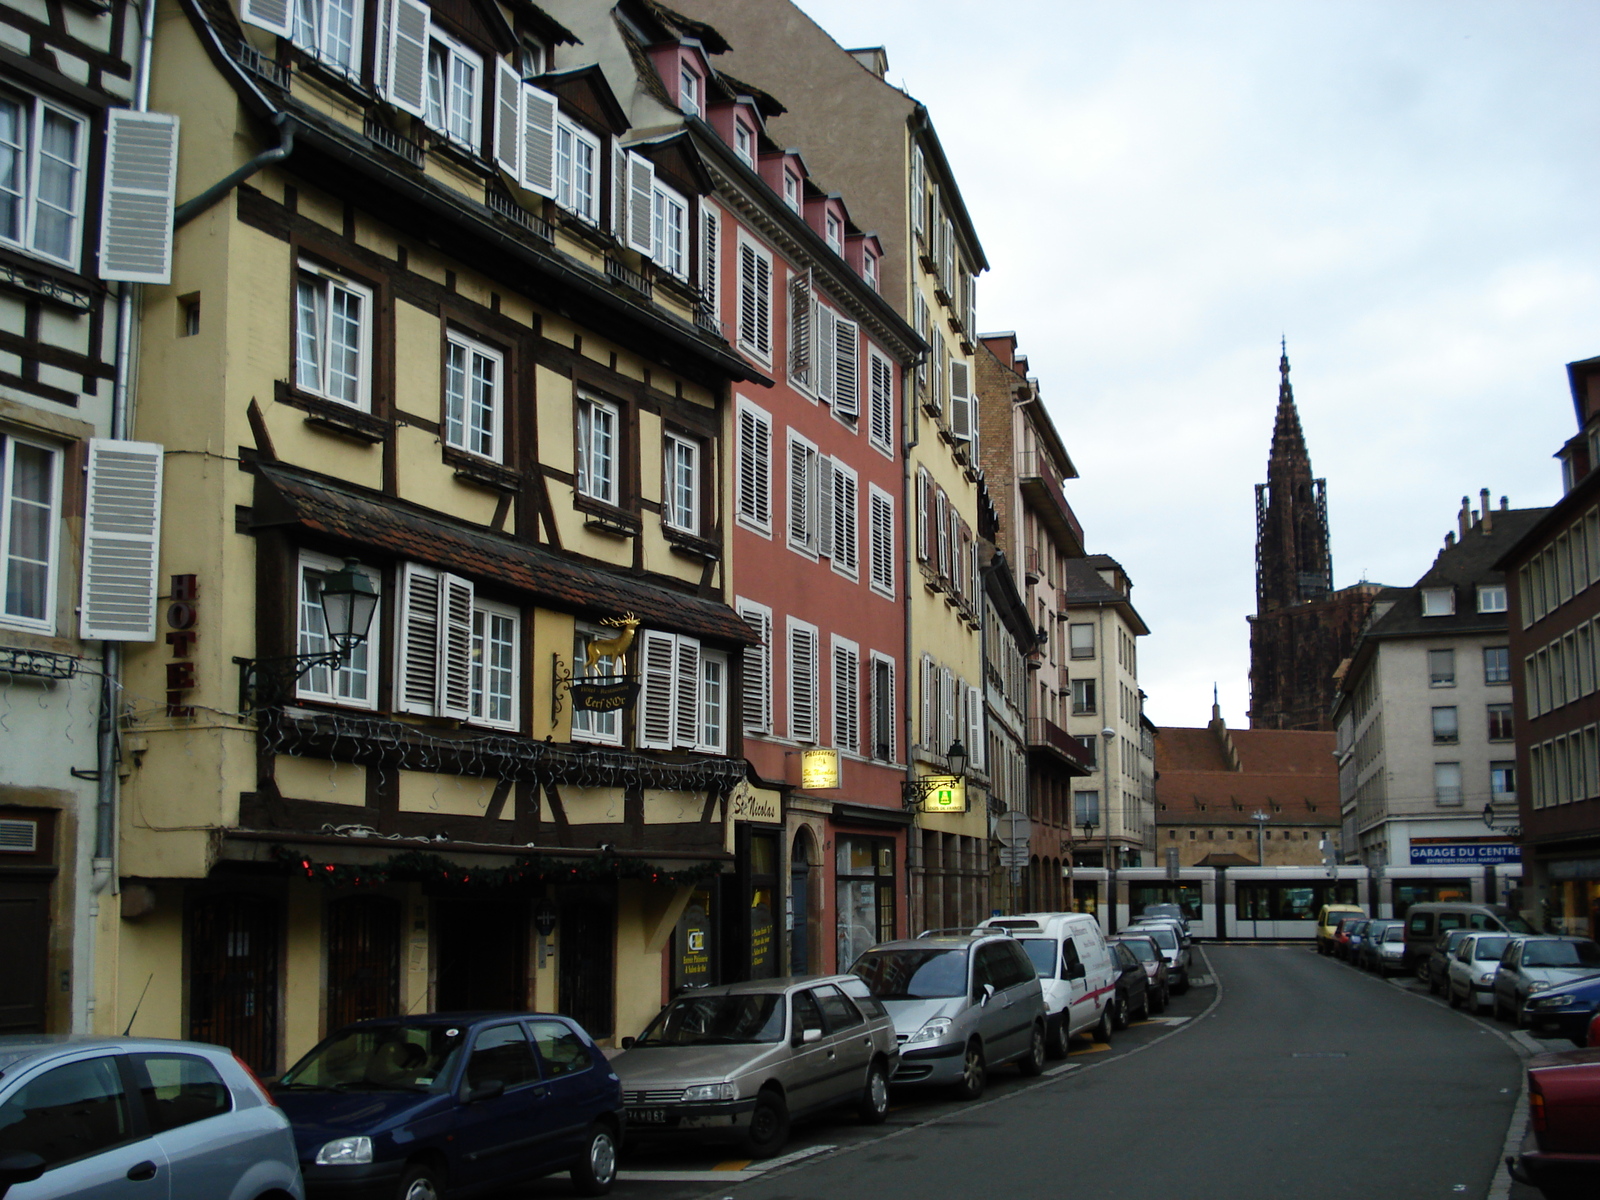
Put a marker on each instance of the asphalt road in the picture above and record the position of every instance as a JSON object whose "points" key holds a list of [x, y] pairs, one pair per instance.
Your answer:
{"points": [[1295, 1076]]}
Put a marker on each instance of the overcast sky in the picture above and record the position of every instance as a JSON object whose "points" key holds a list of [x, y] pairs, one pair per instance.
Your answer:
{"points": [[1408, 191]]}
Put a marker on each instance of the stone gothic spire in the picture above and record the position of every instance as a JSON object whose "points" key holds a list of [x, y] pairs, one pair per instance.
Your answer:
{"points": [[1293, 564]]}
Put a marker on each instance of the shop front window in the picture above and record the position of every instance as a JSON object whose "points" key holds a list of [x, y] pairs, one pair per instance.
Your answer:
{"points": [[763, 909], [865, 895], [694, 945]]}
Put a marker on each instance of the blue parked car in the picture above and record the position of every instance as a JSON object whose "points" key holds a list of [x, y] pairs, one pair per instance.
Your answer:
{"points": [[1569, 1007], [453, 1104]]}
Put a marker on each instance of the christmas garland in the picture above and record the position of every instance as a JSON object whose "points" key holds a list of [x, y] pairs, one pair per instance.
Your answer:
{"points": [[417, 866]]}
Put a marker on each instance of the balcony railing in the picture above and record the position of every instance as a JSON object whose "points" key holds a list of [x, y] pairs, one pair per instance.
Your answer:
{"points": [[503, 204], [1041, 487], [395, 143], [628, 278], [1045, 734]]}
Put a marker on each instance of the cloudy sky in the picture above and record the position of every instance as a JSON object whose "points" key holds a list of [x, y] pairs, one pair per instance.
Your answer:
{"points": [[1409, 191]]}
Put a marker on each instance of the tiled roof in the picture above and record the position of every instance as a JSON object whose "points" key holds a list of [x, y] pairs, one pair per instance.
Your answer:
{"points": [[590, 589], [1290, 774]]}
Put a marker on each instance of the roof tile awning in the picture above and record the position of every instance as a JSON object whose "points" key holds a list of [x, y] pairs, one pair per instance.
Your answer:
{"points": [[290, 497]]}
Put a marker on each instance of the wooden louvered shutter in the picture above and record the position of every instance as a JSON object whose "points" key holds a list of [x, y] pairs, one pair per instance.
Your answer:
{"points": [[417, 645], [758, 672], [822, 382], [822, 500], [929, 733], [845, 521], [619, 191], [846, 703], [975, 739], [947, 709], [924, 530], [641, 206], [755, 301], [407, 77], [960, 401], [122, 532], [802, 325], [686, 694], [801, 485], [880, 420], [846, 369], [659, 660], [755, 467], [941, 520], [920, 312], [136, 217], [538, 141], [276, 15], [882, 530], [710, 289], [508, 119], [802, 684], [455, 647]]}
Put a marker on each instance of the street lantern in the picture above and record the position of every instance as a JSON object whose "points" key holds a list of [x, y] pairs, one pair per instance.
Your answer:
{"points": [[348, 603], [956, 757]]}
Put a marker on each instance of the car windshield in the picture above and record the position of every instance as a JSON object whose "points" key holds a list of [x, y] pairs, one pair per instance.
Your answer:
{"points": [[1141, 949], [1489, 949], [914, 974], [383, 1058], [1355, 928], [1395, 933], [717, 1021], [1161, 935], [1516, 924], [1561, 954], [1042, 952]]}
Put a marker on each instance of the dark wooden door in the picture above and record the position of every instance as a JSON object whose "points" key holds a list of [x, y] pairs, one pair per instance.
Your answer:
{"points": [[233, 975], [363, 959], [482, 959], [587, 945], [24, 945]]}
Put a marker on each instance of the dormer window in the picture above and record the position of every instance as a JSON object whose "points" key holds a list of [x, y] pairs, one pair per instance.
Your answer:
{"points": [[791, 189], [1492, 598], [869, 268], [744, 143], [834, 233], [534, 60], [688, 90], [331, 30], [1438, 602], [452, 100], [577, 170], [670, 231]]}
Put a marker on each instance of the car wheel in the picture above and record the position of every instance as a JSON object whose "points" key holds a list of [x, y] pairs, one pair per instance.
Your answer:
{"points": [[1519, 1015], [1182, 986], [1058, 1040], [1450, 995], [1166, 998], [973, 1073], [769, 1126], [1144, 1006], [420, 1182], [1119, 1011], [874, 1106], [596, 1171], [1102, 1031], [1032, 1063]]}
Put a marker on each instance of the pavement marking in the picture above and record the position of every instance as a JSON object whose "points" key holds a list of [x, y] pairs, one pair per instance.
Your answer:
{"points": [[1165, 1021], [685, 1176], [1092, 1048], [1062, 1069], [736, 1164]]}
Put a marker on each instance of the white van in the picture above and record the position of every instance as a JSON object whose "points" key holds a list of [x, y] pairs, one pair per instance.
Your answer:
{"points": [[1075, 971]]}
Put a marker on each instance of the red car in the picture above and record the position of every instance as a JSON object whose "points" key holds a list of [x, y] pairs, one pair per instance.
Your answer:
{"points": [[1561, 1156]]}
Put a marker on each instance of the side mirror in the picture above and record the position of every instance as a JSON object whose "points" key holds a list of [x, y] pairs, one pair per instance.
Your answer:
{"points": [[487, 1090], [806, 1037], [20, 1166], [988, 993], [1074, 971]]}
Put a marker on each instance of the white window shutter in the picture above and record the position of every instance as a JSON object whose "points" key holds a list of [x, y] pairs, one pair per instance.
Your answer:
{"points": [[710, 228], [641, 206], [846, 369], [802, 320], [619, 191], [924, 535], [136, 222], [881, 418], [918, 190], [845, 520], [960, 401], [406, 84], [122, 541], [455, 647], [947, 702], [890, 703], [417, 646], [538, 141], [508, 119], [276, 15], [800, 493], [659, 661], [882, 531], [758, 671], [929, 734], [686, 694], [802, 684], [823, 355], [822, 490], [975, 745], [755, 466], [846, 699]]}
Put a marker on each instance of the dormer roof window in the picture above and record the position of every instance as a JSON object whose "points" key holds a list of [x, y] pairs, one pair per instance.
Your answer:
{"points": [[1438, 602], [869, 268], [834, 233], [744, 143], [534, 59], [791, 189], [689, 90]]}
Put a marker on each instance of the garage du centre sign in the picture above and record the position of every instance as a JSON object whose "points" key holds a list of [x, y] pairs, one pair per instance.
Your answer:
{"points": [[1450, 853]]}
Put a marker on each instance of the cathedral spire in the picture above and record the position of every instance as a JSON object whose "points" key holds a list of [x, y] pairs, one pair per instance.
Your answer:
{"points": [[1288, 440]]}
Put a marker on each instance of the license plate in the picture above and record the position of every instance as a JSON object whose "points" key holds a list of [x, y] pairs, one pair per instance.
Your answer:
{"points": [[648, 1116]]}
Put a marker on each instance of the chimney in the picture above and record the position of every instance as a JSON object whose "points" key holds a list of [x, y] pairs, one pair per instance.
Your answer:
{"points": [[1464, 517], [1449, 540], [1505, 505], [1484, 518]]}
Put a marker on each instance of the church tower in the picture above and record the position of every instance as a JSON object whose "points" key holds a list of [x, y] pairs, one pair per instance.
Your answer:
{"points": [[1302, 629]]}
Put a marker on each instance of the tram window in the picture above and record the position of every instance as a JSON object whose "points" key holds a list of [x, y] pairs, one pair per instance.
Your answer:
{"points": [[1289, 901]]}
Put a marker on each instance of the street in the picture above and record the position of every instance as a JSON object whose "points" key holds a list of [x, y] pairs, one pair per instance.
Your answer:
{"points": [[1291, 1074]]}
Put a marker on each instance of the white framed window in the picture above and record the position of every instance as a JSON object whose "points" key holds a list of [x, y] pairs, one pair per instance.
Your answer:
{"points": [[671, 710], [473, 389], [30, 516], [1447, 784], [669, 231], [1441, 668], [1491, 597], [791, 189], [680, 498], [924, 515], [455, 76], [331, 31], [846, 520], [803, 699], [757, 690], [597, 450], [755, 300], [1438, 602], [805, 495], [355, 681], [880, 402], [333, 337], [884, 705], [713, 702], [869, 268], [1080, 640], [494, 664], [833, 233], [744, 143], [754, 483], [434, 643], [880, 519], [604, 727], [532, 57], [43, 152], [577, 171], [688, 90], [846, 695]]}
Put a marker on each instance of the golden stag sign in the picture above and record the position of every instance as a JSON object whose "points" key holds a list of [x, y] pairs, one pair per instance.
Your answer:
{"points": [[613, 648]]}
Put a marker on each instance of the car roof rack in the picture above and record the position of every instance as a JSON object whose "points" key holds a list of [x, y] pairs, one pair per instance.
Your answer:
{"points": [[967, 931]]}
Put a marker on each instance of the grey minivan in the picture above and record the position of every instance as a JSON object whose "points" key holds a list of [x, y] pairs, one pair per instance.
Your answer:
{"points": [[104, 1116], [962, 1005]]}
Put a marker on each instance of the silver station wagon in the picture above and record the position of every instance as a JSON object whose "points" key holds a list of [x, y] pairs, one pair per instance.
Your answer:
{"points": [[741, 1061]]}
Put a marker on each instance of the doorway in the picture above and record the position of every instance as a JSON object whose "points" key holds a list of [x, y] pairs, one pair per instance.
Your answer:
{"points": [[234, 947], [588, 954], [24, 947], [363, 941], [481, 960]]}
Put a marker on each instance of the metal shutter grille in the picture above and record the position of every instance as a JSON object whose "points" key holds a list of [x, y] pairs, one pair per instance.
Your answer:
{"points": [[122, 541], [141, 166]]}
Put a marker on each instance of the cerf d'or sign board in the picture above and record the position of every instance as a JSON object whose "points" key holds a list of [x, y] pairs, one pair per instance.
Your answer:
{"points": [[608, 693]]}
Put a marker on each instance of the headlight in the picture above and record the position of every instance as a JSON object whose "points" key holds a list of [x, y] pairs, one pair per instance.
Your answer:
{"points": [[931, 1032], [1486, 978], [711, 1091], [1557, 1002], [345, 1151], [1538, 985]]}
